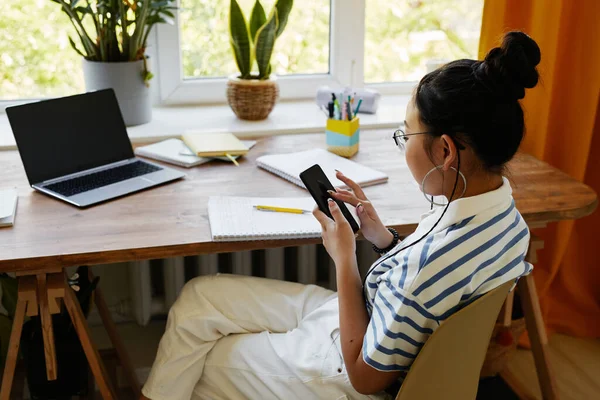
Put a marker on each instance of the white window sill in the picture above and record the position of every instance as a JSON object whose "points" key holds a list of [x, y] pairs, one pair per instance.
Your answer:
{"points": [[286, 118]]}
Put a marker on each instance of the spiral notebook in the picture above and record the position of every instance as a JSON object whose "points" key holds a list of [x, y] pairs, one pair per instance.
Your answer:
{"points": [[289, 166], [235, 219]]}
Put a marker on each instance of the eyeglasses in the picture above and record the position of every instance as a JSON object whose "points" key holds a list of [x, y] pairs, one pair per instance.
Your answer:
{"points": [[400, 138]]}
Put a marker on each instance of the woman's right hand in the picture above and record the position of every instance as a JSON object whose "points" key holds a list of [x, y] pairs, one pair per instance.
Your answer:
{"points": [[370, 225]]}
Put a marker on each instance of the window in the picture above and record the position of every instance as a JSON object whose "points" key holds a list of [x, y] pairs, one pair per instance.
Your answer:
{"points": [[380, 43], [198, 57], [406, 39], [36, 59], [205, 49], [387, 44]]}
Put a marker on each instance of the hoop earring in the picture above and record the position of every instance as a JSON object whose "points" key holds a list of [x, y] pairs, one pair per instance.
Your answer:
{"points": [[427, 176]]}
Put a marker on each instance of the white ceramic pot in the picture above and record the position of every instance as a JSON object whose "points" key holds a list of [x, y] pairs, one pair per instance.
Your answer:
{"points": [[126, 78]]}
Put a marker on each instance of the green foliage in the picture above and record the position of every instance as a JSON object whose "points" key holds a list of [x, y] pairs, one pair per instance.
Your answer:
{"points": [[35, 56], [284, 8], [240, 41], [402, 36], [258, 38], [36, 59], [120, 27], [264, 44], [257, 19]]}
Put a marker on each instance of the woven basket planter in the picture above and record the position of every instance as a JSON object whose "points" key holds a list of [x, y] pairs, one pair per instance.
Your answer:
{"points": [[503, 346], [252, 99]]}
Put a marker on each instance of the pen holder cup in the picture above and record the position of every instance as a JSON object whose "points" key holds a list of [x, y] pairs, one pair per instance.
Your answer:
{"points": [[342, 137]]}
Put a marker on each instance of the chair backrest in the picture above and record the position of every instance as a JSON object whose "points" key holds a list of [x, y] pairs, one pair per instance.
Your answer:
{"points": [[449, 363]]}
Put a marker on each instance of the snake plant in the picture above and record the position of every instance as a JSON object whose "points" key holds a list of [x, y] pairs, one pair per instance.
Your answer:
{"points": [[256, 40], [120, 27]]}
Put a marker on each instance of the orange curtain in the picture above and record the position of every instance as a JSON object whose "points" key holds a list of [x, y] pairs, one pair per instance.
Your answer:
{"points": [[563, 129]]}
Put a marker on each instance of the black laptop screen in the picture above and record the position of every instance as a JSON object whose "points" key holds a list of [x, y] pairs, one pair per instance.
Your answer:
{"points": [[70, 134]]}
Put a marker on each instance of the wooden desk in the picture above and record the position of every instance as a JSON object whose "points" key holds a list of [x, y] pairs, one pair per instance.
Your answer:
{"points": [[172, 220]]}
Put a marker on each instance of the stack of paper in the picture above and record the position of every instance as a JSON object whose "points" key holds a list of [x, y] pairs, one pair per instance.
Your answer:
{"points": [[8, 207], [176, 152]]}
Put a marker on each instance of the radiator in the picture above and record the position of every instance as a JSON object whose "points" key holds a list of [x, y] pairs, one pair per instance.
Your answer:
{"points": [[155, 284]]}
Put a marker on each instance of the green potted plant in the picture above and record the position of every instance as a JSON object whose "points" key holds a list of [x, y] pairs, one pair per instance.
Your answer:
{"points": [[252, 94], [114, 54]]}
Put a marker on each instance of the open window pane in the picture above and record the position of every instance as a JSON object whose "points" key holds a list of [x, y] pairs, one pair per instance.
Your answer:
{"points": [[36, 59], [404, 39], [303, 48]]}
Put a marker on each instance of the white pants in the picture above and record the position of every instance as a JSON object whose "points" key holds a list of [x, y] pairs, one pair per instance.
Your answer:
{"points": [[240, 337]]}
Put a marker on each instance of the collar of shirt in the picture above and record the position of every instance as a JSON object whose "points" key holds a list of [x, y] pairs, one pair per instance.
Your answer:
{"points": [[464, 208]]}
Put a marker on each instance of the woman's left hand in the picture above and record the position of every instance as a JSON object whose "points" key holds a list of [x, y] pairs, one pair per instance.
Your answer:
{"points": [[338, 237]]}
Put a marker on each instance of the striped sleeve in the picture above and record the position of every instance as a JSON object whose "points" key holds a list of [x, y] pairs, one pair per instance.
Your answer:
{"points": [[398, 328]]}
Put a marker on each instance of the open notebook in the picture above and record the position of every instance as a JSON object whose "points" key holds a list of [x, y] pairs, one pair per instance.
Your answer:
{"points": [[290, 165], [235, 219]]}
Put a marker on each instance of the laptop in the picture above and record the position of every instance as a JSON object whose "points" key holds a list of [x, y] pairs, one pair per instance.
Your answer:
{"points": [[76, 149]]}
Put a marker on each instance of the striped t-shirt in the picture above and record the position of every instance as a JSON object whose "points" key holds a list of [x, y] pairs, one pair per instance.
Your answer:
{"points": [[479, 244]]}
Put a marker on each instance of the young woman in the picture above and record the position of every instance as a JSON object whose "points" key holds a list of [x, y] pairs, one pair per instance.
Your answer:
{"points": [[237, 337]]}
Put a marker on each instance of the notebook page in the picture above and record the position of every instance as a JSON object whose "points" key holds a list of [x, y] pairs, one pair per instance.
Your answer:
{"points": [[292, 164], [234, 218]]}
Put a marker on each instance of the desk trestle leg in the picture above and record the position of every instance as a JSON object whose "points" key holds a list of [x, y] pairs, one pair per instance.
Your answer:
{"points": [[26, 287], [47, 330], [41, 295], [91, 352]]}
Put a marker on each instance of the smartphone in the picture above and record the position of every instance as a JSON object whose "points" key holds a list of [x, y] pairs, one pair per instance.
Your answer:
{"points": [[317, 184]]}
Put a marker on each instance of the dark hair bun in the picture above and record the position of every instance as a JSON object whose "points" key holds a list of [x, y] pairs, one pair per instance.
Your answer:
{"points": [[510, 69]]}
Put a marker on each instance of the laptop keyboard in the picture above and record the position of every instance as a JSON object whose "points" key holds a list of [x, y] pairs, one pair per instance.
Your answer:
{"points": [[99, 179]]}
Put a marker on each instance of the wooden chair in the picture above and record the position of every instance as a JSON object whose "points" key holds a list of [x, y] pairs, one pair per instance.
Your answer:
{"points": [[449, 364]]}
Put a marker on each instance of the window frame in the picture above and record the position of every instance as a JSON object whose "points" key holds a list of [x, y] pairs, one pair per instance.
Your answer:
{"points": [[346, 65], [346, 62]]}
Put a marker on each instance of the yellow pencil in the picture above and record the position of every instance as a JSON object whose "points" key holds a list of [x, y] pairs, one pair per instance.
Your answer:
{"points": [[233, 160], [282, 209]]}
